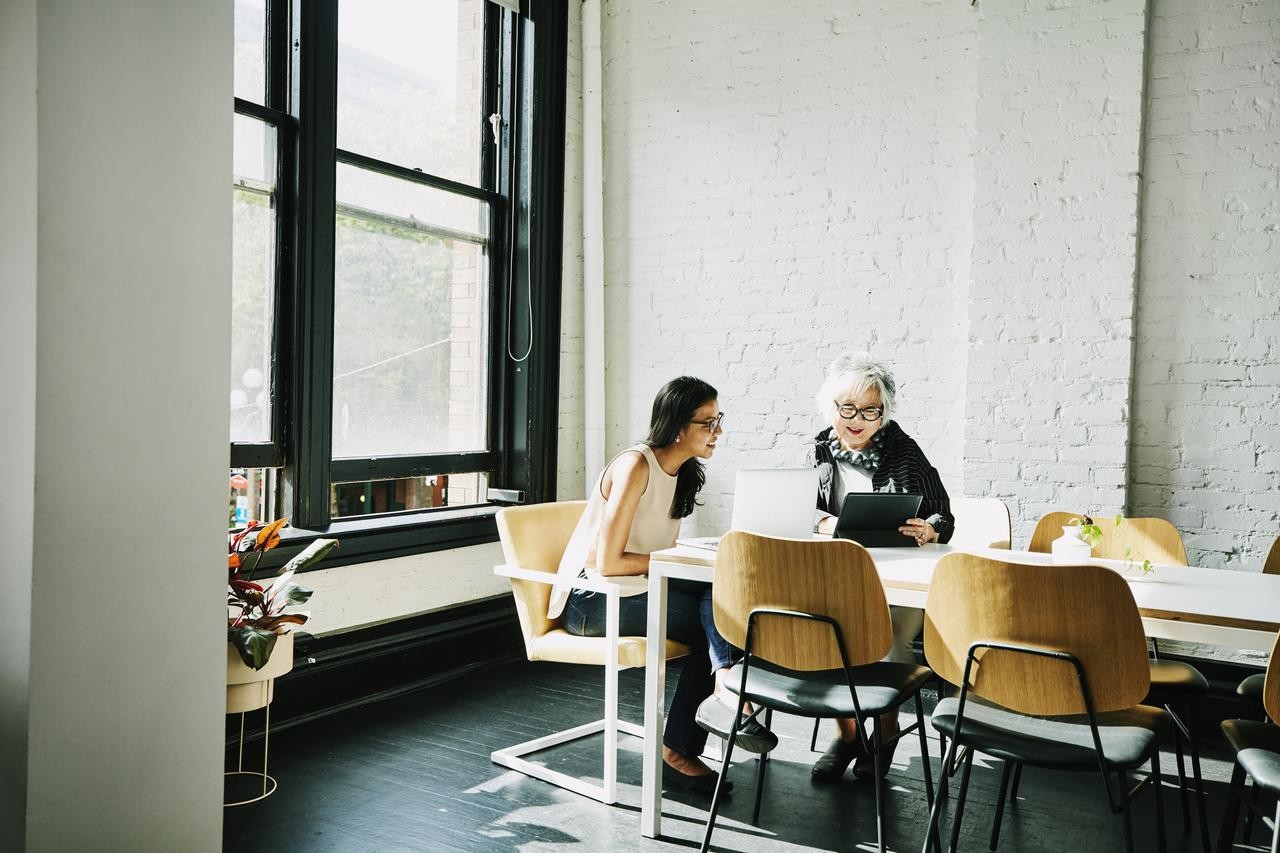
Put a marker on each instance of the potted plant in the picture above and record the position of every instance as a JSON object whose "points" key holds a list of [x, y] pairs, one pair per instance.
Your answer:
{"points": [[1081, 534], [259, 625]]}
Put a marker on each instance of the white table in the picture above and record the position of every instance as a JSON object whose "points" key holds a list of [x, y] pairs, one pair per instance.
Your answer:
{"points": [[1211, 606]]}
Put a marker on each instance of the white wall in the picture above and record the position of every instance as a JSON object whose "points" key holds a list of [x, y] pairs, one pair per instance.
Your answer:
{"points": [[18, 390], [1206, 450], [571, 447], [133, 243], [781, 184], [957, 189]]}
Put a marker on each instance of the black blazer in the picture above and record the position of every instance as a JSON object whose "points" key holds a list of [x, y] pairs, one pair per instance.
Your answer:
{"points": [[901, 460]]}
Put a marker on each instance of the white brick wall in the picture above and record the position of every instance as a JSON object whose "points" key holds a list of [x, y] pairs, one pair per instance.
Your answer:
{"points": [[1206, 387], [1054, 230], [570, 450], [957, 190]]}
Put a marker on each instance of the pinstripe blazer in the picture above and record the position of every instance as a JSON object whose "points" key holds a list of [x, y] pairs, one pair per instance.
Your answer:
{"points": [[903, 462]]}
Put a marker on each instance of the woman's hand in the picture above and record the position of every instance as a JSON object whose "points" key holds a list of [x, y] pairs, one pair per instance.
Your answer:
{"points": [[827, 525], [919, 530]]}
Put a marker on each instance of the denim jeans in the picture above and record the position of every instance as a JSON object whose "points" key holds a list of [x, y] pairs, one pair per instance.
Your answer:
{"points": [[584, 615]]}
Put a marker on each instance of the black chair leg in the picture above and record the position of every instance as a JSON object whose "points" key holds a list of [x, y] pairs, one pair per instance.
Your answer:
{"points": [[924, 752], [964, 790], [1232, 812], [1162, 842], [813, 741], [1004, 789], [720, 777], [761, 761], [1201, 811], [1124, 811], [878, 758], [1248, 813], [932, 836], [1275, 836], [1013, 785], [1182, 779]]}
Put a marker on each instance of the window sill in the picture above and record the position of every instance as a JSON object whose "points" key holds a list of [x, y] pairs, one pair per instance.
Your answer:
{"points": [[363, 540]]}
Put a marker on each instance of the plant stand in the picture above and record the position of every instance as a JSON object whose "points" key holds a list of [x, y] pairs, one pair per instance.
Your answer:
{"points": [[248, 690]]}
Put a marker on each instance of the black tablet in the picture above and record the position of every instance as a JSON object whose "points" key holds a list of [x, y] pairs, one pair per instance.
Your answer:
{"points": [[872, 519]]}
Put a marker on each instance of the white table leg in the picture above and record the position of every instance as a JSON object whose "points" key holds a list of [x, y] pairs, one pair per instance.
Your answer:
{"points": [[655, 680]]}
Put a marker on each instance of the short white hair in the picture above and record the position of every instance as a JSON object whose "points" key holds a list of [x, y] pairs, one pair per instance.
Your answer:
{"points": [[851, 374]]}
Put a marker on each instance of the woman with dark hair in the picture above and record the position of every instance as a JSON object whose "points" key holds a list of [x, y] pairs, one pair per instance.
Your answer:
{"points": [[635, 509]]}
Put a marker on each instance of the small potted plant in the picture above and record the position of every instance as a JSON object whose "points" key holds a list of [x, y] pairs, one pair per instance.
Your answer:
{"points": [[259, 626], [1079, 537]]}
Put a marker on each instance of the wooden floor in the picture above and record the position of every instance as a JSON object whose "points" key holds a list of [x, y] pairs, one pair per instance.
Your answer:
{"points": [[413, 774]]}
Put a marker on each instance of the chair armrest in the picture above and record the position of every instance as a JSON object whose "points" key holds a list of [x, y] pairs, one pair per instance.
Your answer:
{"points": [[590, 584]]}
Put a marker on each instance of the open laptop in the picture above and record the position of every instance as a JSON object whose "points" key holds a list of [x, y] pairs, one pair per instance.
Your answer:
{"points": [[872, 519], [773, 502]]}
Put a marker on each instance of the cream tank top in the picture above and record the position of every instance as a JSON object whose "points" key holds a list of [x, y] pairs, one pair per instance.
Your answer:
{"points": [[652, 529]]}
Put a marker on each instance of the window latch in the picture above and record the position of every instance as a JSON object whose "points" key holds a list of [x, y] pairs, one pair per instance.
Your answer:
{"points": [[495, 122]]}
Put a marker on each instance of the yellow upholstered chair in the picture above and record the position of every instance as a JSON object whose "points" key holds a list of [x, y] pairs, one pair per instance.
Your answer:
{"points": [[533, 540], [981, 523]]}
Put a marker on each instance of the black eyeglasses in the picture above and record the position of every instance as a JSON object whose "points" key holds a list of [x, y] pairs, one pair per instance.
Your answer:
{"points": [[711, 424], [849, 411]]}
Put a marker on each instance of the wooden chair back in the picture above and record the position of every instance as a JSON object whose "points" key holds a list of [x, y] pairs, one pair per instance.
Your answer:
{"points": [[834, 578], [1085, 610], [1272, 565], [981, 523], [1138, 539], [534, 537], [1271, 687]]}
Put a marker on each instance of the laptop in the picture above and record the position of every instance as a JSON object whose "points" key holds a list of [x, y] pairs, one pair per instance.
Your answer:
{"points": [[872, 519], [772, 502]]}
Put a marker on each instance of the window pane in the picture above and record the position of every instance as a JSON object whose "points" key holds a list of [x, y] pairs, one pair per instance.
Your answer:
{"points": [[251, 53], [253, 270], [410, 83], [410, 308], [255, 496], [383, 496]]}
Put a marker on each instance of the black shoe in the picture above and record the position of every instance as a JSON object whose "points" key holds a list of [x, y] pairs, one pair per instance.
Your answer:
{"points": [[831, 766], [704, 785], [752, 736], [864, 769]]}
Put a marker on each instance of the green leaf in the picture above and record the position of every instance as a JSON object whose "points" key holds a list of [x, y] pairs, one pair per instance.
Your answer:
{"points": [[312, 553], [1119, 518], [253, 644], [295, 594]]}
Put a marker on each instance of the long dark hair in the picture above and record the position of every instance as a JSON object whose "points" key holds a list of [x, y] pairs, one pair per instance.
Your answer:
{"points": [[673, 409]]}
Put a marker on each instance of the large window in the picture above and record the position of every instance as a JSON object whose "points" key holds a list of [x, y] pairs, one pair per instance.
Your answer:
{"points": [[396, 202]]}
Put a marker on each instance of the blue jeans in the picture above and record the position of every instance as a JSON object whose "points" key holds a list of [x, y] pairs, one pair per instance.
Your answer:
{"points": [[584, 615], [718, 649]]}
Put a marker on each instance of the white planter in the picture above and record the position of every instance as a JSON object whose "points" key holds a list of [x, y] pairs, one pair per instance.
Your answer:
{"points": [[249, 689], [1070, 548]]}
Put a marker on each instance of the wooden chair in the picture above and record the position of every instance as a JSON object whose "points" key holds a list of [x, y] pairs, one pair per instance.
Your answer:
{"points": [[1051, 662], [981, 523], [1174, 684], [1257, 748], [813, 623], [533, 540]]}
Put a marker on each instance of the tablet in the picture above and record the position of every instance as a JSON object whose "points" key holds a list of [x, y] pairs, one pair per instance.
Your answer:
{"points": [[872, 519]]}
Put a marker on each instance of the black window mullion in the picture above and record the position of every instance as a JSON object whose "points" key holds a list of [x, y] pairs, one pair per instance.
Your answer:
{"points": [[279, 55], [400, 467], [404, 173], [315, 96]]}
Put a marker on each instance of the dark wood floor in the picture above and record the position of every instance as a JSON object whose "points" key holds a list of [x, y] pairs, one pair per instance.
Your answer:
{"points": [[413, 774]]}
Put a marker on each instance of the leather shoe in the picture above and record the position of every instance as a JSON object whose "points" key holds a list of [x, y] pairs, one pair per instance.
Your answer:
{"points": [[864, 769], [752, 736], [831, 766], [704, 785]]}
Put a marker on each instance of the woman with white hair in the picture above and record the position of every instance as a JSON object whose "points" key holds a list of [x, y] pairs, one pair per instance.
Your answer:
{"points": [[864, 450]]}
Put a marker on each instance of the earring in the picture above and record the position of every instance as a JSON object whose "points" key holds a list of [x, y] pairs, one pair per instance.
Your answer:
{"points": [[677, 439]]}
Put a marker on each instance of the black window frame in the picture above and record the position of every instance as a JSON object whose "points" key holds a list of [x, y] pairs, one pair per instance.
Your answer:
{"points": [[525, 64]]}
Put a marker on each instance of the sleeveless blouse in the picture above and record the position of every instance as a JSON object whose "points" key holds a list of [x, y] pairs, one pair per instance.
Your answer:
{"points": [[652, 529]]}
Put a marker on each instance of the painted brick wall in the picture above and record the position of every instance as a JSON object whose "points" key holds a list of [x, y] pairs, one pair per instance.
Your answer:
{"points": [[1207, 384], [781, 184], [569, 456], [1054, 235]]}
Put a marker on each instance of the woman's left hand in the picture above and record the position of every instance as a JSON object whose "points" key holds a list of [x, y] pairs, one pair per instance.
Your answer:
{"points": [[919, 530]]}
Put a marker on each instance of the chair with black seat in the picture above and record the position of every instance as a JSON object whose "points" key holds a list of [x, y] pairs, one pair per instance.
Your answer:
{"points": [[1176, 686], [1250, 688], [813, 624], [533, 541], [1257, 747], [1051, 663]]}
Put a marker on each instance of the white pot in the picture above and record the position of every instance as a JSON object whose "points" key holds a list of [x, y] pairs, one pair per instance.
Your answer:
{"points": [[249, 689], [1070, 548]]}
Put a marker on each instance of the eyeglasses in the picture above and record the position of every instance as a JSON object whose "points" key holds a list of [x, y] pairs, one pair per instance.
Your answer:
{"points": [[849, 411], [711, 424]]}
